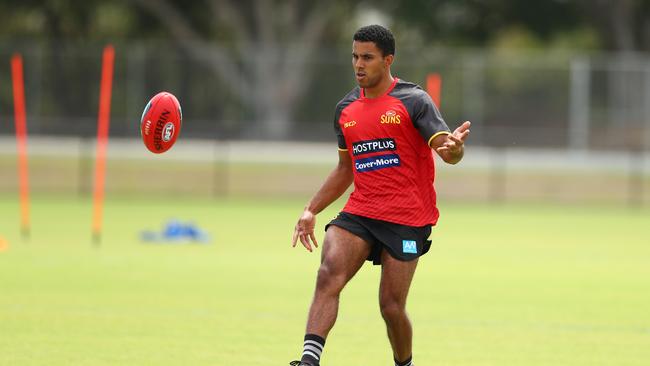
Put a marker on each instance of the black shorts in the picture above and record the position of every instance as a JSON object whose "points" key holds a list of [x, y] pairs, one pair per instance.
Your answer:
{"points": [[403, 242]]}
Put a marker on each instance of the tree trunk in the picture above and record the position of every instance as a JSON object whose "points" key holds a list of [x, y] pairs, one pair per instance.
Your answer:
{"points": [[274, 75]]}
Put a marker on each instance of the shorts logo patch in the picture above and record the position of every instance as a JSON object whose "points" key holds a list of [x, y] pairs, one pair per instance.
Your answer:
{"points": [[409, 246], [377, 162]]}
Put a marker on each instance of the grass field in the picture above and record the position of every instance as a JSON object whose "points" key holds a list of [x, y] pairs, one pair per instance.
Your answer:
{"points": [[502, 285]]}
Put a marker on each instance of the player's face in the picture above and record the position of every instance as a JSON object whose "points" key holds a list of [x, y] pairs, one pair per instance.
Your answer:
{"points": [[370, 66]]}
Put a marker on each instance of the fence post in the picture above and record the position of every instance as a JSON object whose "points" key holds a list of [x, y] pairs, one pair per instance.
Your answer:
{"points": [[579, 104], [635, 178], [473, 79], [136, 96], [646, 107], [498, 176], [84, 169], [221, 168], [645, 145]]}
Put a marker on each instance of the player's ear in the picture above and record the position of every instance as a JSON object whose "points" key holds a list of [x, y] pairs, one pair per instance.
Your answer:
{"points": [[388, 60]]}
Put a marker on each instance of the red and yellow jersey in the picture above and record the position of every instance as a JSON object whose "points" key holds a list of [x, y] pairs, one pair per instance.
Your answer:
{"points": [[388, 141]]}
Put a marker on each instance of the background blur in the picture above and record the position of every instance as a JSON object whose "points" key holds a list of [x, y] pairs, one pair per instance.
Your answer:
{"points": [[541, 254], [558, 92]]}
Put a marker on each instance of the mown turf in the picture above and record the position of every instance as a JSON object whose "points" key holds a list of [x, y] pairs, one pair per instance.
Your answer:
{"points": [[502, 285]]}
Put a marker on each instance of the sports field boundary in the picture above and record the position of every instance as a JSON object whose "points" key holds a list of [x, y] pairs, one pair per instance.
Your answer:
{"points": [[267, 168]]}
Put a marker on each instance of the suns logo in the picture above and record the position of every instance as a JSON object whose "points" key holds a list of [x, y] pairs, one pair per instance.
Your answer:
{"points": [[390, 117], [349, 124]]}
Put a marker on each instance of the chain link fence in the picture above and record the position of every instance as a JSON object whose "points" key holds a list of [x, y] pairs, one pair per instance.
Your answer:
{"points": [[576, 106]]}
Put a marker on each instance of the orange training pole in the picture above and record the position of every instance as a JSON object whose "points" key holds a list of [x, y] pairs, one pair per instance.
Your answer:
{"points": [[103, 121], [434, 83], [21, 141]]}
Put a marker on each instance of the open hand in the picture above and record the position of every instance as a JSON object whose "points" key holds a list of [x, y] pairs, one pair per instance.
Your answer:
{"points": [[304, 231], [455, 140]]}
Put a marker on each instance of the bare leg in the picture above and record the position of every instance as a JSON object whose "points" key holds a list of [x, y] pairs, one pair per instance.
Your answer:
{"points": [[395, 282], [343, 255]]}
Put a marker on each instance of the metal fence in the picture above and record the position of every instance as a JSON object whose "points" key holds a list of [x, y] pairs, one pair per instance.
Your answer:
{"points": [[563, 101], [536, 99]]}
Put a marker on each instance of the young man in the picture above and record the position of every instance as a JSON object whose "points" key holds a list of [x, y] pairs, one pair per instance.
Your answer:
{"points": [[386, 129]]}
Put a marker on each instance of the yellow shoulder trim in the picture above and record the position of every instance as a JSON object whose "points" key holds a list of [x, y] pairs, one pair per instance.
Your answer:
{"points": [[436, 135]]}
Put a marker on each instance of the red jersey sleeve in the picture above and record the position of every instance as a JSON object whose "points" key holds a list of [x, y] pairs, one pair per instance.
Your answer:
{"points": [[424, 114], [340, 106]]}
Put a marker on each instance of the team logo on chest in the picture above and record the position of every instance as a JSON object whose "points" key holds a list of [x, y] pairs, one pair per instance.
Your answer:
{"points": [[390, 117]]}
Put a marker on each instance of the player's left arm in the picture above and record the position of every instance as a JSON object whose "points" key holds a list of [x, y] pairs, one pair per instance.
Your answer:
{"points": [[427, 119], [451, 146]]}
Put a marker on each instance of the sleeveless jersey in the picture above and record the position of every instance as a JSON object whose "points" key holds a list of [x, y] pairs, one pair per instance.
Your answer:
{"points": [[387, 139]]}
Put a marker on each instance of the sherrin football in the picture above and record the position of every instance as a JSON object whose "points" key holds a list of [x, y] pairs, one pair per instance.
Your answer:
{"points": [[161, 122]]}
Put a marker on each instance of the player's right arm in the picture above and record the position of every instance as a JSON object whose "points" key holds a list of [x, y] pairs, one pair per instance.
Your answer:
{"points": [[335, 185]]}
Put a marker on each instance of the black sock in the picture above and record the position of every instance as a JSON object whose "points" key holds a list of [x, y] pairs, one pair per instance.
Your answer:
{"points": [[404, 363], [312, 349]]}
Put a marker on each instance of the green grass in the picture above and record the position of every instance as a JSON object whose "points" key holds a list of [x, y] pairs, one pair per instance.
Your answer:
{"points": [[502, 285]]}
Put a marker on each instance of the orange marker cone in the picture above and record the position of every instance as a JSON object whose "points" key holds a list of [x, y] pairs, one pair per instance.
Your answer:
{"points": [[4, 244]]}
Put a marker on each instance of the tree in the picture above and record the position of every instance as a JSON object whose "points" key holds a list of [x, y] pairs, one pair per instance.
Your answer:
{"points": [[624, 25], [267, 61], [477, 22]]}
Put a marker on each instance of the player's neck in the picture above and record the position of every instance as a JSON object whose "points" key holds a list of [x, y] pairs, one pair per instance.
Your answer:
{"points": [[380, 88]]}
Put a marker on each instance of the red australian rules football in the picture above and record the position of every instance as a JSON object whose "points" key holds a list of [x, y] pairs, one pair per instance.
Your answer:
{"points": [[161, 122]]}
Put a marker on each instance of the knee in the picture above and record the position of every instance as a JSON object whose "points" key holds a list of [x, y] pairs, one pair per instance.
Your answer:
{"points": [[391, 309], [328, 280]]}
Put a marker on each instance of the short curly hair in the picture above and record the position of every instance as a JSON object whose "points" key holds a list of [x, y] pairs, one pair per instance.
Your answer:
{"points": [[381, 36]]}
